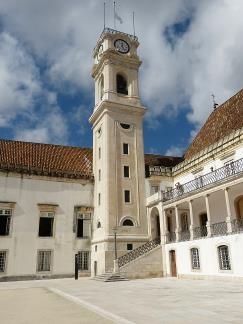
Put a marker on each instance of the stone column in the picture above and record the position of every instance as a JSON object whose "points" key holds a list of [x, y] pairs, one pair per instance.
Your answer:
{"points": [[228, 210], [191, 220], [178, 229], [164, 231], [208, 216]]}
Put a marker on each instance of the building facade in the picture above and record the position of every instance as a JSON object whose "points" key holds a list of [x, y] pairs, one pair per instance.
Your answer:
{"points": [[116, 207]]}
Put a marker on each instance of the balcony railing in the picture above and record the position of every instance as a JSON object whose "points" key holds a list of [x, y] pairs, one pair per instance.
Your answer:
{"points": [[217, 176], [217, 229]]}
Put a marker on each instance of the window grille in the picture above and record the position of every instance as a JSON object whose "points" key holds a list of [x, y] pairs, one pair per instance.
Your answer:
{"points": [[224, 258], [195, 258], [5, 220], [83, 260], [44, 261], [3, 257]]}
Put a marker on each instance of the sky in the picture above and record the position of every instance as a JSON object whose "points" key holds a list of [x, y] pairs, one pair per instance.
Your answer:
{"points": [[190, 50]]}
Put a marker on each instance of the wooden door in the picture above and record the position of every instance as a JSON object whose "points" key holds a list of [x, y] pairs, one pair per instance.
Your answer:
{"points": [[173, 268], [95, 268]]}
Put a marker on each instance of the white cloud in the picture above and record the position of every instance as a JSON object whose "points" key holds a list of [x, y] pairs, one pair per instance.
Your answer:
{"points": [[206, 59], [175, 151]]}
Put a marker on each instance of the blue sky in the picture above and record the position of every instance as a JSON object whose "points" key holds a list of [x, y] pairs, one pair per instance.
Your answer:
{"points": [[188, 53]]}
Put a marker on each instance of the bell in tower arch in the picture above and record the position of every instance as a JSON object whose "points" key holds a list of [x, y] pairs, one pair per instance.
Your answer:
{"points": [[121, 84]]}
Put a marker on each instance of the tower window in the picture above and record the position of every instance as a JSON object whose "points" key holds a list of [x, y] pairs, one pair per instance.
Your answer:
{"points": [[99, 153], [129, 247], [125, 148], [126, 171], [127, 222], [101, 87], [125, 126], [127, 196], [121, 84], [99, 198], [99, 174]]}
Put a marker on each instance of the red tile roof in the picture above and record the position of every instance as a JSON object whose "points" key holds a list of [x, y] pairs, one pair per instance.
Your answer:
{"points": [[222, 121], [45, 159], [57, 160]]}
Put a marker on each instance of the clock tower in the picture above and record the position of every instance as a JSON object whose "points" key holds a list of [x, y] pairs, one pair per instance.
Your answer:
{"points": [[118, 155]]}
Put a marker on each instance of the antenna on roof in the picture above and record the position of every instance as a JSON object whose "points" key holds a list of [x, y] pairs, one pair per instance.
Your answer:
{"points": [[214, 102], [104, 15], [133, 23]]}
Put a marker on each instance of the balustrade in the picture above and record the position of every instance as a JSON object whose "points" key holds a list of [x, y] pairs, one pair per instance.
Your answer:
{"points": [[218, 175]]}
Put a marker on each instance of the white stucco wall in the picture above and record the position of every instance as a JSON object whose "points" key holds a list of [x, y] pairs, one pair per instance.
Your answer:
{"points": [[208, 253], [23, 242]]}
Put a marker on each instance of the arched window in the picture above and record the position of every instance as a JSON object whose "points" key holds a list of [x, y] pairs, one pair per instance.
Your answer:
{"points": [[224, 258], [195, 258], [101, 87], [121, 84], [99, 224], [127, 222]]}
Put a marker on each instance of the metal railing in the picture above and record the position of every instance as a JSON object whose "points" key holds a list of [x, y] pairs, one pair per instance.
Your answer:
{"points": [[218, 175], [134, 254], [200, 232], [160, 171], [237, 225], [185, 236], [217, 229], [171, 237]]}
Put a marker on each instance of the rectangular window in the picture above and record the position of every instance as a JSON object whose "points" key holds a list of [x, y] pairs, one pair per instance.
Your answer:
{"points": [[99, 174], [5, 220], [99, 199], [3, 258], [46, 224], [127, 196], [195, 258], [224, 258], [126, 171], [125, 148], [83, 225], [83, 260], [99, 152], [129, 247], [44, 261]]}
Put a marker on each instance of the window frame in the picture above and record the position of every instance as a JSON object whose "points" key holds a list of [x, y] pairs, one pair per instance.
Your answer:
{"points": [[220, 264], [51, 261], [196, 267], [128, 151], [9, 217], [5, 261], [42, 212], [130, 196], [83, 262], [126, 167], [85, 217]]}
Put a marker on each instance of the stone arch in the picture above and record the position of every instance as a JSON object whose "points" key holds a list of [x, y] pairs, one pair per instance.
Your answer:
{"points": [[121, 84], [155, 223], [127, 221]]}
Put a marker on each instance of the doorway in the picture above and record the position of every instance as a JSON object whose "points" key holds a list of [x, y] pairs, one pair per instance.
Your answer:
{"points": [[95, 268], [203, 224], [155, 223], [158, 226], [173, 269]]}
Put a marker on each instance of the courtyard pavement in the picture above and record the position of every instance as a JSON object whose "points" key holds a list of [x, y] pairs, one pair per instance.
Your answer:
{"points": [[159, 300]]}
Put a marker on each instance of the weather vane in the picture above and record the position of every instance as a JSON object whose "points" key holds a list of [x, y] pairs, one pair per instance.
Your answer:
{"points": [[214, 102]]}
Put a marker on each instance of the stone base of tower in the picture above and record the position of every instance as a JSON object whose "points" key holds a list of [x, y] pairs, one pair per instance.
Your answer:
{"points": [[103, 255]]}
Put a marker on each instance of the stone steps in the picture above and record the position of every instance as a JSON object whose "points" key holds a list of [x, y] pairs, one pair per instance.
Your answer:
{"points": [[110, 277]]}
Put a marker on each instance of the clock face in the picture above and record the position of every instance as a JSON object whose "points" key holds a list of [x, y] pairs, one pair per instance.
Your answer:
{"points": [[121, 46]]}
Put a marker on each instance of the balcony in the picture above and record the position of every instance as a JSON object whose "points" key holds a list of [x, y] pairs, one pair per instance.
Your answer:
{"points": [[217, 229], [224, 174]]}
